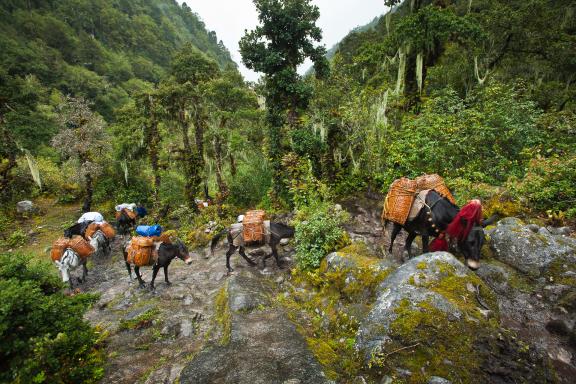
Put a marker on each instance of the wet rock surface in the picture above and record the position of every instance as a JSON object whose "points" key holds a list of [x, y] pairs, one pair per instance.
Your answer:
{"points": [[517, 245], [537, 299], [263, 345]]}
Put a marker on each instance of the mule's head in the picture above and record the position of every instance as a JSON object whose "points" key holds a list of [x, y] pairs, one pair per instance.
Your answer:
{"points": [[472, 246], [182, 252], [68, 261]]}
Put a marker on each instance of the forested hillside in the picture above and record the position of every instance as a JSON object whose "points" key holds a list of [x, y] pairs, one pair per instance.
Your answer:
{"points": [[104, 102]]}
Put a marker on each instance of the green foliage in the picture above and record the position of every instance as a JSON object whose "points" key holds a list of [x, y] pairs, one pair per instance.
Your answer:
{"points": [[251, 183], [44, 337], [549, 184], [481, 138], [318, 232], [15, 239]]}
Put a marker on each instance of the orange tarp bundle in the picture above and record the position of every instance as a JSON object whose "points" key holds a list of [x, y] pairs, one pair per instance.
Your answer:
{"points": [[106, 229], [140, 251], [253, 226], [58, 248], [403, 191]]}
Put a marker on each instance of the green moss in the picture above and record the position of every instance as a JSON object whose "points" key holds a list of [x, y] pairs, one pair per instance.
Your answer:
{"points": [[325, 311], [421, 265], [222, 315], [437, 346], [144, 320], [556, 272]]}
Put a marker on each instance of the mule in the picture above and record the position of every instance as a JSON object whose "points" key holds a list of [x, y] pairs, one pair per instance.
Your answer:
{"points": [[125, 224], [69, 261], [101, 244], [278, 231], [166, 253], [77, 229], [437, 213]]}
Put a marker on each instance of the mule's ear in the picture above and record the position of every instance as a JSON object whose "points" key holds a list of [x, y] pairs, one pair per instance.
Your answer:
{"points": [[491, 220]]}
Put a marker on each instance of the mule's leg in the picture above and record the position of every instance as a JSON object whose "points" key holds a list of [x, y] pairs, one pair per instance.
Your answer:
{"points": [[425, 248], [408, 244], [275, 253], [155, 270], [84, 270], [231, 250], [243, 254], [137, 272], [129, 270], [166, 275], [266, 257], [395, 231]]}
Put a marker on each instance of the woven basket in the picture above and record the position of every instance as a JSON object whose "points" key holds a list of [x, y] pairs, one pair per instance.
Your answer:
{"points": [[435, 182], [91, 229], [58, 248], [142, 241], [163, 238], [399, 200], [131, 214], [108, 230], [253, 226], [81, 246]]}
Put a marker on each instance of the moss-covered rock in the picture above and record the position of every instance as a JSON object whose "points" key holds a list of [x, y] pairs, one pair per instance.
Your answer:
{"points": [[433, 317], [530, 252]]}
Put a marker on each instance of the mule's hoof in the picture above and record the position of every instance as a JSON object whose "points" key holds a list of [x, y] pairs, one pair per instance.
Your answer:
{"points": [[168, 283]]}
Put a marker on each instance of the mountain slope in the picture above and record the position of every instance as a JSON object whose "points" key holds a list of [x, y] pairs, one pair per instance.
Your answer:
{"points": [[99, 49]]}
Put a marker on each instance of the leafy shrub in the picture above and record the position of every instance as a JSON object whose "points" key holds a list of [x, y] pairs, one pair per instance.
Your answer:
{"points": [[252, 181], [16, 239], [549, 184], [318, 232], [44, 336], [481, 138]]}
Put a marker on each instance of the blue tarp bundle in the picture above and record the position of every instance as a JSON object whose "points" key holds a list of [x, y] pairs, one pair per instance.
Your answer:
{"points": [[149, 230]]}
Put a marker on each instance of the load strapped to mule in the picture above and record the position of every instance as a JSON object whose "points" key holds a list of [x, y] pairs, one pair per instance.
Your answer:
{"points": [[403, 191], [78, 244], [143, 250], [253, 226], [104, 227]]}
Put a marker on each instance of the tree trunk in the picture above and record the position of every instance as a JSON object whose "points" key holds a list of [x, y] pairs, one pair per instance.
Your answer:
{"points": [[222, 187], [153, 145], [189, 160], [89, 192], [275, 153], [232, 164]]}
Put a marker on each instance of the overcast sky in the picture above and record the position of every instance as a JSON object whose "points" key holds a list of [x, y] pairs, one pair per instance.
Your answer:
{"points": [[229, 18]]}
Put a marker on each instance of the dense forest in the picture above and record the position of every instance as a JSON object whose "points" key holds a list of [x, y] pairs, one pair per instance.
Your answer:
{"points": [[136, 101]]}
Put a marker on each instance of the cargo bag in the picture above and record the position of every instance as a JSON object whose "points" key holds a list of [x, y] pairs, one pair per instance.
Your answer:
{"points": [[149, 230], [253, 226], [140, 251]]}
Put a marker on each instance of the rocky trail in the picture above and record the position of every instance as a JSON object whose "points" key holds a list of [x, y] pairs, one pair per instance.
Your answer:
{"points": [[212, 327]]}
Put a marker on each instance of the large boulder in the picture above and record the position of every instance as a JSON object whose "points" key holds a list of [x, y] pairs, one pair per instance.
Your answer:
{"points": [[433, 317], [258, 343], [529, 251]]}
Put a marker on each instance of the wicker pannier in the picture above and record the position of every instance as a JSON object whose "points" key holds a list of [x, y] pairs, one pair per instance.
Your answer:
{"points": [[399, 200], [140, 251], [58, 248], [81, 246], [163, 238], [435, 182], [91, 229], [253, 226], [131, 214], [108, 230]]}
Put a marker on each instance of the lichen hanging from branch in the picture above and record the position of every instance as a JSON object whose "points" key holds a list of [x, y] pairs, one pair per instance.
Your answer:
{"points": [[419, 70], [33, 168]]}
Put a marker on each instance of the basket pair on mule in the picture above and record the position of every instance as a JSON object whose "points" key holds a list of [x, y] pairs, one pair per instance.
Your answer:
{"points": [[81, 240], [253, 228], [126, 217], [157, 252], [426, 207]]}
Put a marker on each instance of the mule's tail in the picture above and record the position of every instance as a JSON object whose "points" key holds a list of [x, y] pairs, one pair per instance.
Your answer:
{"points": [[215, 240]]}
